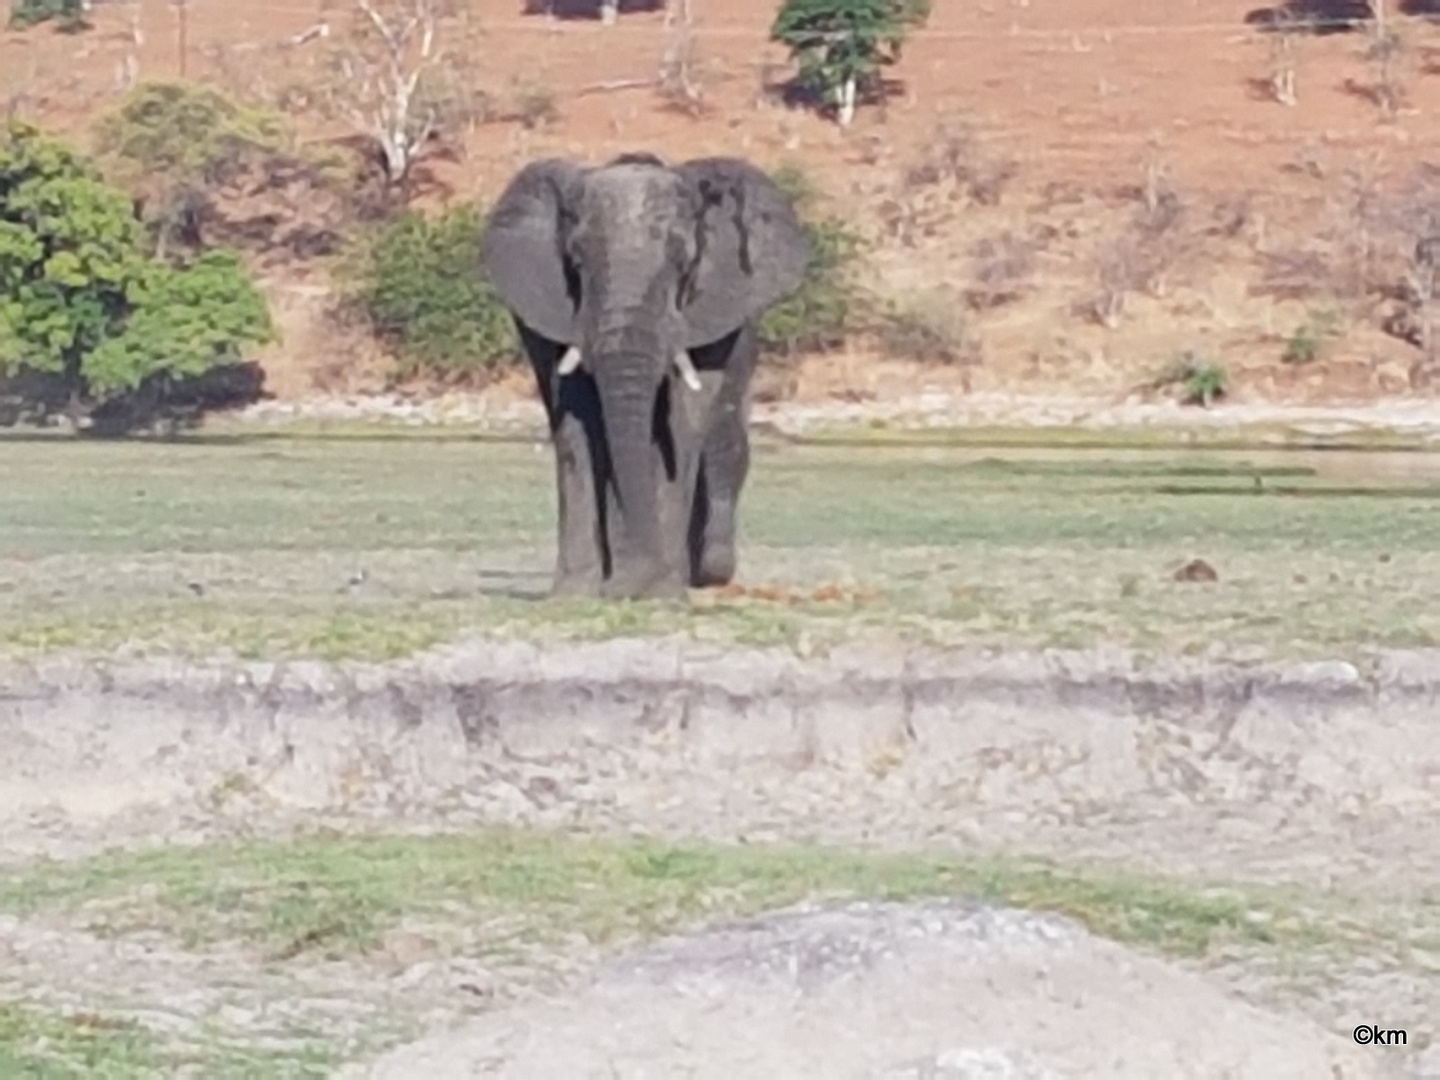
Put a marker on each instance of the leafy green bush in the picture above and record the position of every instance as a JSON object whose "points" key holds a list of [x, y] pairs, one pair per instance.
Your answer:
{"points": [[176, 144], [187, 131], [1205, 382], [84, 311], [1201, 381], [420, 284], [1308, 342], [828, 303], [69, 14]]}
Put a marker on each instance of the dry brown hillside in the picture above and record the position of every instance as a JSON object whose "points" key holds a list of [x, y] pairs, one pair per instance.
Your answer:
{"points": [[1073, 192]]}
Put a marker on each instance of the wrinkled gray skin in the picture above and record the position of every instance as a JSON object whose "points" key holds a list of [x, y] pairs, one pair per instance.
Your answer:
{"points": [[636, 263]]}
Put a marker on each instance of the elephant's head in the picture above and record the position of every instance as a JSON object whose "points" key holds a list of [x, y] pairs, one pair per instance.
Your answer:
{"points": [[631, 265]]}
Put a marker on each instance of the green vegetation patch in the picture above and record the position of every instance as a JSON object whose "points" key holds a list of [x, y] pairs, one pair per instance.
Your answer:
{"points": [[90, 323], [337, 897], [42, 1044], [416, 281], [288, 918]]}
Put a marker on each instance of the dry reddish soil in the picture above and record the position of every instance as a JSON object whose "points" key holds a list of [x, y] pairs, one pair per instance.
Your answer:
{"points": [[1084, 105]]}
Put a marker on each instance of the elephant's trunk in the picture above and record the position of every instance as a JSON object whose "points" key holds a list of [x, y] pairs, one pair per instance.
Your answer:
{"points": [[629, 385]]}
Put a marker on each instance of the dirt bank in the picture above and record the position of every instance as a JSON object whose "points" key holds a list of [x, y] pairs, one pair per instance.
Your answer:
{"points": [[1318, 776], [1172, 760]]}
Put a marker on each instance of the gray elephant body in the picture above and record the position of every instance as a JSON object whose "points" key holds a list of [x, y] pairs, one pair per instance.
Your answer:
{"points": [[653, 278]]}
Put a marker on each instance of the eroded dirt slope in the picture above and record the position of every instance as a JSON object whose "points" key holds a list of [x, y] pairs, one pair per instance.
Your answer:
{"points": [[1314, 781]]}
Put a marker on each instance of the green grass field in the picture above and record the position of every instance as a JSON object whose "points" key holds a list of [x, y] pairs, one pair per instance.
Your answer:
{"points": [[249, 542]]}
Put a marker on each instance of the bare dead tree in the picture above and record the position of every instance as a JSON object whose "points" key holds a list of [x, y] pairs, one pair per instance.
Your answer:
{"points": [[678, 83], [393, 80], [1423, 280], [127, 71], [182, 35], [1283, 43], [1388, 51]]}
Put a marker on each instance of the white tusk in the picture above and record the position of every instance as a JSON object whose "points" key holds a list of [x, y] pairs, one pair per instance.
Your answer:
{"points": [[687, 370], [570, 362]]}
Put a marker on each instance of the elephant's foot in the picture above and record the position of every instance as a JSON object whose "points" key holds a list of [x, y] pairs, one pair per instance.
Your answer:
{"points": [[575, 585], [715, 566], [643, 583], [714, 563]]}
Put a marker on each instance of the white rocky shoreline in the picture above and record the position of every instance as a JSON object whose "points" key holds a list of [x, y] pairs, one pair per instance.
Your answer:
{"points": [[1418, 418]]}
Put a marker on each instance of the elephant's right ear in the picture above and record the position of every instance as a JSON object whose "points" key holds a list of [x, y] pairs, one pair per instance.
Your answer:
{"points": [[524, 247]]}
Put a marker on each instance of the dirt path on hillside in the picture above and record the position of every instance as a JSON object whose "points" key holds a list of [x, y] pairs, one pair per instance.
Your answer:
{"points": [[1320, 777]]}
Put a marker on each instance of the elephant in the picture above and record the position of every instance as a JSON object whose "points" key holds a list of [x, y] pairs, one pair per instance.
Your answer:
{"points": [[636, 288]]}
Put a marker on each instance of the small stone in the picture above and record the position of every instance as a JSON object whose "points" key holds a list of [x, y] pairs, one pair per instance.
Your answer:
{"points": [[1197, 570]]}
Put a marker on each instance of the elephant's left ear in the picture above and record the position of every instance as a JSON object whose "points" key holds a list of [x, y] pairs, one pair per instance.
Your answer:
{"points": [[752, 250]]}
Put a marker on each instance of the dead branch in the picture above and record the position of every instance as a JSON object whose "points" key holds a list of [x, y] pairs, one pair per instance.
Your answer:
{"points": [[319, 30], [617, 84]]}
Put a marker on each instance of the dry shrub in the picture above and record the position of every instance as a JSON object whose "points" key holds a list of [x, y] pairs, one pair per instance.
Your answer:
{"points": [[1139, 255], [532, 106], [931, 328], [1231, 215], [1389, 52], [1000, 270], [1366, 251], [954, 159]]}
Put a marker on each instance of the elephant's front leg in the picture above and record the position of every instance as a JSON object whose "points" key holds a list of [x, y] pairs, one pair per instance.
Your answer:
{"points": [[582, 559], [724, 465], [573, 409]]}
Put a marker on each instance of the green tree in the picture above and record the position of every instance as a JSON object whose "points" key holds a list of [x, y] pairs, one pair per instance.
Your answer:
{"points": [[88, 321], [419, 284], [841, 46], [70, 15]]}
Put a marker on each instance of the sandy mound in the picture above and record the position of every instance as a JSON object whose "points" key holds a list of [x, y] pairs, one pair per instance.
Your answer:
{"points": [[941, 991]]}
